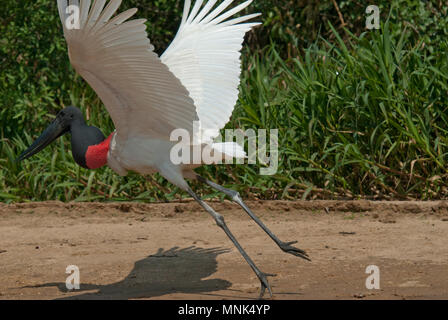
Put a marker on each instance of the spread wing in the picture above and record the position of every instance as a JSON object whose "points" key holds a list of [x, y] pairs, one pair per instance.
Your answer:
{"points": [[205, 56], [115, 57]]}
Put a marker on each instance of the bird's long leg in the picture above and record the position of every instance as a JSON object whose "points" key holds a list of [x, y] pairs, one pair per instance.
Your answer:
{"points": [[220, 222], [235, 196]]}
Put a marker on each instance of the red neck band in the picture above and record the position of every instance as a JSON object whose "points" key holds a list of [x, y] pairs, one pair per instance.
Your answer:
{"points": [[96, 156]]}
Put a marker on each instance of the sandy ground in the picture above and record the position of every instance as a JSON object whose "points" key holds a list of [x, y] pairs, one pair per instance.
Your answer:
{"points": [[176, 251]]}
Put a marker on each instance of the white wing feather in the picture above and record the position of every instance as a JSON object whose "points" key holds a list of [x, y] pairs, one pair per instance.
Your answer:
{"points": [[205, 56], [116, 58]]}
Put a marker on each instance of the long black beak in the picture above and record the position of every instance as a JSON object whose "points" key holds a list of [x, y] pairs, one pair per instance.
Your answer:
{"points": [[51, 133]]}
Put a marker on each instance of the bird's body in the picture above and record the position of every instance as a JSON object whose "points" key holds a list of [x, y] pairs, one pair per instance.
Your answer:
{"points": [[151, 155], [194, 82], [196, 79]]}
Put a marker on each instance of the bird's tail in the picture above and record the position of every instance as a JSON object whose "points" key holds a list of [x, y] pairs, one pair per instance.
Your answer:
{"points": [[231, 149]]}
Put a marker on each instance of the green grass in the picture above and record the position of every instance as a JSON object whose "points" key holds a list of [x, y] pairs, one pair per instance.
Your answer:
{"points": [[361, 117], [366, 117]]}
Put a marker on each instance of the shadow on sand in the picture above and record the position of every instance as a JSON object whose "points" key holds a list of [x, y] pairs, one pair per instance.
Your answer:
{"points": [[167, 271]]}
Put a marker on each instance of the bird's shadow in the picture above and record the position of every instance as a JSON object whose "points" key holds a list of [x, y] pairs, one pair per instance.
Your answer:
{"points": [[165, 272]]}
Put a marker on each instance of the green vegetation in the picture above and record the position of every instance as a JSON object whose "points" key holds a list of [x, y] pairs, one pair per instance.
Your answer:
{"points": [[360, 113]]}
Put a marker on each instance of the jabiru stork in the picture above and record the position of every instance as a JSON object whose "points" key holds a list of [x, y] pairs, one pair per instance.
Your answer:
{"points": [[147, 96]]}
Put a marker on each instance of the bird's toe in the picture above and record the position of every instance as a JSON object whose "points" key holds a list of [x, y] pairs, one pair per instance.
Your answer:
{"points": [[288, 248], [265, 283]]}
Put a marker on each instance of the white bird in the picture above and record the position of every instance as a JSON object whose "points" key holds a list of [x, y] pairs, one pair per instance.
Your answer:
{"points": [[148, 97]]}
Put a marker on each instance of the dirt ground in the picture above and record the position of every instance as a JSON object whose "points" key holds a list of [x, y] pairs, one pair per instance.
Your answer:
{"points": [[176, 251]]}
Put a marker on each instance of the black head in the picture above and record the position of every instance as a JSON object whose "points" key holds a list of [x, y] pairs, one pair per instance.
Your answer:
{"points": [[69, 115], [62, 124]]}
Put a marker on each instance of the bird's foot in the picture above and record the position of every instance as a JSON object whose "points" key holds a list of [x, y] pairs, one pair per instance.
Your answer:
{"points": [[288, 248], [264, 283]]}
